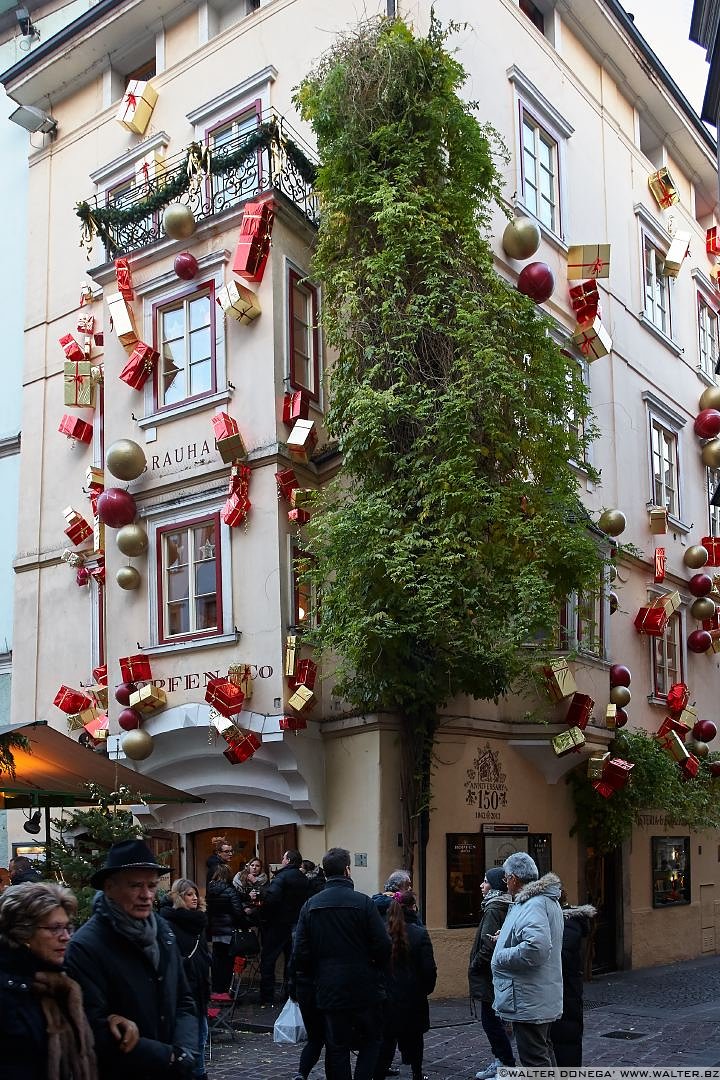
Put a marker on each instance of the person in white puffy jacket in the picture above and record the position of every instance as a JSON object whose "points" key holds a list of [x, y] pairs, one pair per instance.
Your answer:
{"points": [[526, 963]]}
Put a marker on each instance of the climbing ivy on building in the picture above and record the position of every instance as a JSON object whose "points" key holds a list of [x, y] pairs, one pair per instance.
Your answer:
{"points": [[454, 530]]}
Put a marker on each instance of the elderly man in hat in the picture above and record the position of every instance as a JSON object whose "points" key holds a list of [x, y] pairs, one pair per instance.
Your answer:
{"points": [[127, 962], [526, 963]]}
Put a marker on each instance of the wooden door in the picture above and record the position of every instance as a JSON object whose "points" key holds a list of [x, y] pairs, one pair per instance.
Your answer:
{"points": [[274, 842], [243, 845], [165, 846]]}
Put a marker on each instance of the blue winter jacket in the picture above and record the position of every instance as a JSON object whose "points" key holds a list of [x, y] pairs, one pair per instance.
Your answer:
{"points": [[526, 964]]}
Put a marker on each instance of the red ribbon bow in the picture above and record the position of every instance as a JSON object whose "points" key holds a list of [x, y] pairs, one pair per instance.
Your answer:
{"points": [[131, 99]]}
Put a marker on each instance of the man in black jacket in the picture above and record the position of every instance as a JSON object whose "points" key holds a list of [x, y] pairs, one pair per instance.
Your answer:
{"points": [[127, 962], [342, 946], [282, 900]]}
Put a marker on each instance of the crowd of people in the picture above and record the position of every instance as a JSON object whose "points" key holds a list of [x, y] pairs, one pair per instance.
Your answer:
{"points": [[128, 992]]}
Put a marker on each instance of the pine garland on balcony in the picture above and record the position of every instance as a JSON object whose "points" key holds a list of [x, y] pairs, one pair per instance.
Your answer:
{"points": [[104, 221]]}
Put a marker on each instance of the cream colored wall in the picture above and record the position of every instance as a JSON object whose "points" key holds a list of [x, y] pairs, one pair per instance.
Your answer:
{"points": [[354, 781]]}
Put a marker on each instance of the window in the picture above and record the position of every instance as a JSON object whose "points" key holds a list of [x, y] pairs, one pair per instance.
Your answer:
{"points": [[664, 465], [707, 338], [190, 583], [667, 661], [225, 139], [670, 870], [185, 338], [143, 72], [304, 337], [539, 172], [582, 623], [713, 481], [304, 598], [657, 292], [534, 14]]}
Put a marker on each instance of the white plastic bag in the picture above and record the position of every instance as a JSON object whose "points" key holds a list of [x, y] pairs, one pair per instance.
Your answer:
{"points": [[289, 1028]]}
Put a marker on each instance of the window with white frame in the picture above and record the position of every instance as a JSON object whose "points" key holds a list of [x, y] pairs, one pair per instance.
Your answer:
{"points": [[657, 287], [227, 138], [190, 587], [303, 334], [304, 599], [667, 658], [664, 467], [184, 333], [713, 487], [583, 623], [707, 338]]}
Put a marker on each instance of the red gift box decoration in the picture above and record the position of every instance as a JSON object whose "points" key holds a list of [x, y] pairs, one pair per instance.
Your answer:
{"points": [[253, 246], [603, 788], [580, 711], [241, 749], [71, 348], [224, 426], [292, 723], [616, 772], [678, 697], [236, 509], [287, 482], [298, 517], [712, 546], [239, 483], [99, 674], [75, 428], [124, 279], [296, 406], [97, 573], [135, 668], [689, 767], [712, 241], [77, 529], [86, 325], [306, 673], [585, 301], [671, 724], [713, 623], [71, 701], [224, 696], [651, 621], [140, 365]]}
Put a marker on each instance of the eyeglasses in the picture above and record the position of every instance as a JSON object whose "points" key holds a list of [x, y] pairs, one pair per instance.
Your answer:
{"points": [[57, 929]]}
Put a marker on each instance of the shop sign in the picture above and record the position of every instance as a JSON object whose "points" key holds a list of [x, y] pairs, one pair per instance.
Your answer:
{"points": [[197, 680], [485, 785], [180, 455]]}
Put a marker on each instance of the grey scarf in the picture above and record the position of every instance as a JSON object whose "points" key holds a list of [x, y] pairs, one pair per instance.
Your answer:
{"points": [[141, 932]]}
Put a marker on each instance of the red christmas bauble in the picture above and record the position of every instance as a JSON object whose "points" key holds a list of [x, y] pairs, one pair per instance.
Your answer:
{"points": [[123, 692], [714, 768], [707, 424], [129, 719], [699, 641], [621, 718], [116, 507], [700, 584], [620, 675], [83, 576], [536, 281], [186, 266], [704, 730]]}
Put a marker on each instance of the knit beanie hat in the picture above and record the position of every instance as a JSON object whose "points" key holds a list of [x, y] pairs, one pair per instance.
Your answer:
{"points": [[495, 878]]}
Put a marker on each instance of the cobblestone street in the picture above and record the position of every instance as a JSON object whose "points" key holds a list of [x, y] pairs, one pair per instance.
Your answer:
{"points": [[667, 1016]]}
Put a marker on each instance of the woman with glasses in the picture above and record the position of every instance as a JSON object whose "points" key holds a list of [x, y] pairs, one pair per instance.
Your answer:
{"points": [[185, 911], [44, 1034], [495, 904]]}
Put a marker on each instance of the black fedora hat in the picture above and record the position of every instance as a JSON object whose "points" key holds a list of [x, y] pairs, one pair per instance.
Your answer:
{"points": [[127, 855]]}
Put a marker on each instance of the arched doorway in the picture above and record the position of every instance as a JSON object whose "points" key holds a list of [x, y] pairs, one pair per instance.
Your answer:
{"points": [[243, 843]]}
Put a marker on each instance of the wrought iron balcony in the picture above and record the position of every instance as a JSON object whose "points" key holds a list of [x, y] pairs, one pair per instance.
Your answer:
{"points": [[208, 180]]}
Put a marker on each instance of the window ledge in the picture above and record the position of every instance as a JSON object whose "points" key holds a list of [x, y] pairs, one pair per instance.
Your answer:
{"points": [[653, 699], [546, 232], [187, 409], [703, 376], [660, 335], [676, 525], [191, 644]]}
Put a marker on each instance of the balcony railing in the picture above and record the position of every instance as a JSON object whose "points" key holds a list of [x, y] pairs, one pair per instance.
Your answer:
{"points": [[208, 180]]}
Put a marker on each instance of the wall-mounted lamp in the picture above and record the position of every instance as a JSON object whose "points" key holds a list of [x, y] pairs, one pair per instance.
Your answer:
{"points": [[28, 31], [33, 119], [32, 825]]}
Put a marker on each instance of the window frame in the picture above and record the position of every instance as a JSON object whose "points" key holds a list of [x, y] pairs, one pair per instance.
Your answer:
{"points": [[196, 289], [541, 135], [707, 313], [675, 622], [251, 108], [296, 279], [662, 440], [161, 635], [651, 304], [661, 414], [312, 621], [713, 481]]}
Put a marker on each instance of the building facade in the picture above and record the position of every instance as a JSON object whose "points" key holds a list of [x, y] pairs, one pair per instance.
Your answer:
{"points": [[587, 114]]}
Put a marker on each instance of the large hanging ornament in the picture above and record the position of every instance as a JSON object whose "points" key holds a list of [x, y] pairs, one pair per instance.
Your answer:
{"points": [[702, 608], [620, 696], [185, 265], [704, 730], [707, 424], [621, 718], [710, 398], [711, 454], [536, 281], [612, 522], [129, 719], [714, 768], [116, 507], [614, 602], [697, 747], [128, 578], [126, 459], [699, 641], [521, 238], [178, 221], [620, 675], [123, 692], [132, 540], [137, 745], [700, 584], [695, 556]]}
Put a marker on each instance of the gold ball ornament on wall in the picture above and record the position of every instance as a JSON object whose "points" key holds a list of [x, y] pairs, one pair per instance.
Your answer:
{"points": [[128, 578], [710, 454], [178, 221], [132, 540], [698, 748], [710, 398], [521, 238], [703, 608], [695, 556], [612, 522], [126, 460], [620, 696], [137, 745]]}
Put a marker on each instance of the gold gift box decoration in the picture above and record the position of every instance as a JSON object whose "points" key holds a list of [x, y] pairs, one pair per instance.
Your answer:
{"points": [[137, 106], [238, 302], [231, 448], [302, 440], [567, 741], [559, 679], [688, 716], [301, 497], [78, 386], [596, 765], [240, 675], [77, 721], [586, 261], [148, 699], [673, 745], [149, 168], [123, 322], [670, 603], [658, 520], [223, 724], [663, 188], [291, 645], [100, 695], [679, 248], [611, 717], [303, 698]]}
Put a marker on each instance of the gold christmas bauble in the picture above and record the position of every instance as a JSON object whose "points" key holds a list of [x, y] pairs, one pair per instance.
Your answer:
{"points": [[711, 454], [126, 459], [128, 578], [620, 696], [137, 745], [132, 540], [521, 238], [178, 221], [703, 608], [612, 522], [710, 398], [698, 748], [695, 556]]}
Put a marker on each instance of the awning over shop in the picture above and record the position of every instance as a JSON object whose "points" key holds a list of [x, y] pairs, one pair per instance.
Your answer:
{"points": [[58, 771]]}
